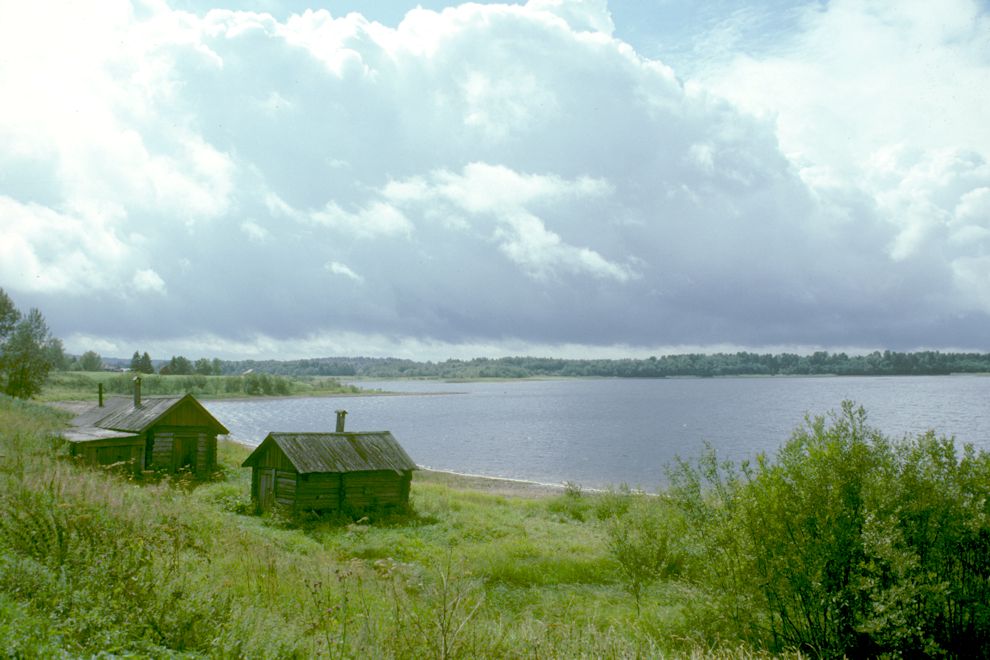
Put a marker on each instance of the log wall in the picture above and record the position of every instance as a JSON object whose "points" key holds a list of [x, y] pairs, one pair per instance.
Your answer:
{"points": [[318, 492], [329, 491], [129, 455], [167, 442]]}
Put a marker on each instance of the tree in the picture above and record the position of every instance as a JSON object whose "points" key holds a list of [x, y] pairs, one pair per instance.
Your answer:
{"points": [[204, 367], [91, 361], [177, 366], [142, 363], [25, 356], [56, 354], [9, 316]]}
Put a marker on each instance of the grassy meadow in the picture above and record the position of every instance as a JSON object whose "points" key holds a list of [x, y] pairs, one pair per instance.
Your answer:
{"points": [[844, 544], [91, 562]]}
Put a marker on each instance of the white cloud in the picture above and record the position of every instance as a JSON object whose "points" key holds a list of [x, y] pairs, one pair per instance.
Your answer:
{"points": [[495, 194], [374, 220], [498, 106], [278, 206], [886, 99], [91, 105], [580, 15], [864, 76], [526, 241], [338, 268], [487, 188], [46, 251], [496, 173], [148, 281], [255, 232], [972, 274]]}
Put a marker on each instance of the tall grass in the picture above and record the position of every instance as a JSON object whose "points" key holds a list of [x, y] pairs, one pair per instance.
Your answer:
{"points": [[844, 543], [93, 562]]}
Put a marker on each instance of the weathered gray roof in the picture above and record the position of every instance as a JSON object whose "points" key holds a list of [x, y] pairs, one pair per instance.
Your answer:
{"points": [[92, 413], [120, 413], [337, 452], [90, 434], [138, 418]]}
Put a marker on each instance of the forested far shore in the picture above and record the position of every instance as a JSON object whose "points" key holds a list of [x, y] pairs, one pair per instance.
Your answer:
{"points": [[887, 363], [69, 385]]}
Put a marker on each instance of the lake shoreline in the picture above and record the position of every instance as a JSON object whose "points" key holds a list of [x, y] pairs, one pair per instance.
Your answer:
{"points": [[318, 395], [504, 486]]}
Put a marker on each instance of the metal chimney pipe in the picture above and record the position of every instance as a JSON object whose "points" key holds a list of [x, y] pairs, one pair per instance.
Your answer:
{"points": [[137, 391], [99, 393], [341, 414]]}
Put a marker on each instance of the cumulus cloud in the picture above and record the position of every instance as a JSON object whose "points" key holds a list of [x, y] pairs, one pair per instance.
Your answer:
{"points": [[255, 232], [580, 15], [887, 99], [148, 281], [376, 219], [494, 201], [44, 250], [493, 175], [338, 268]]}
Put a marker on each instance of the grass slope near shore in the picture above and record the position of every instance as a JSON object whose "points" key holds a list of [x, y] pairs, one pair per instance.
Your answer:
{"points": [[846, 543], [91, 562]]}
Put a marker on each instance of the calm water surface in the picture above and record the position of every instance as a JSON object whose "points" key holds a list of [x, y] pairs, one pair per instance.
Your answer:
{"points": [[612, 431]]}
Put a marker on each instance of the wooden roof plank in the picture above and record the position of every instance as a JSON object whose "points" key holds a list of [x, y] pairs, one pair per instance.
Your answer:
{"points": [[120, 413], [93, 434], [337, 452]]}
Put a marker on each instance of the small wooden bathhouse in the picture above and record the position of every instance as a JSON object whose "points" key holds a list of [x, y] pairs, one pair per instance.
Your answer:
{"points": [[328, 472], [165, 434], [95, 446]]}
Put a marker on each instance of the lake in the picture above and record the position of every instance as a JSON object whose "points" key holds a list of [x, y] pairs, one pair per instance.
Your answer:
{"points": [[600, 432]]}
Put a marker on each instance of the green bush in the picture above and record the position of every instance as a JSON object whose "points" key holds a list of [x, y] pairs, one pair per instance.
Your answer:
{"points": [[645, 540], [847, 543]]}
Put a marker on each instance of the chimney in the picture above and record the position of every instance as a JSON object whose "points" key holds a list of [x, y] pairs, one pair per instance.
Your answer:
{"points": [[137, 391], [341, 414], [99, 393]]}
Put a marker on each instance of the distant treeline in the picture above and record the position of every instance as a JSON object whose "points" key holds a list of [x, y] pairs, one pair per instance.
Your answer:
{"points": [[887, 363], [68, 385]]}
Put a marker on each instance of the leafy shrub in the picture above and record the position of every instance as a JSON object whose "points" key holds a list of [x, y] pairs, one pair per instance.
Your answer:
{"points": [[571, 505], [847, 543], [645, 541], [613, 502]]}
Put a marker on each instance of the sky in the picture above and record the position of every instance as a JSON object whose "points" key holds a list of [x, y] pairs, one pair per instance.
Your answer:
{"points": [[575, 178]]}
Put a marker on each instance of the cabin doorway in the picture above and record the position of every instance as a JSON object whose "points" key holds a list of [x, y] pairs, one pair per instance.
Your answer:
{"points": [[185, 452], [266, 488]]}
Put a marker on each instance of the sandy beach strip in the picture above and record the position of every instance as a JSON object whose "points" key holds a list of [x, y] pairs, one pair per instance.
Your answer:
{"points": [[490, 485]]}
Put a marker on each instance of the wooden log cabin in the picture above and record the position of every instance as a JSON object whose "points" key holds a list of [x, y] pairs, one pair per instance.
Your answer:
{"points": [[330, 472], [166, 434]]}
